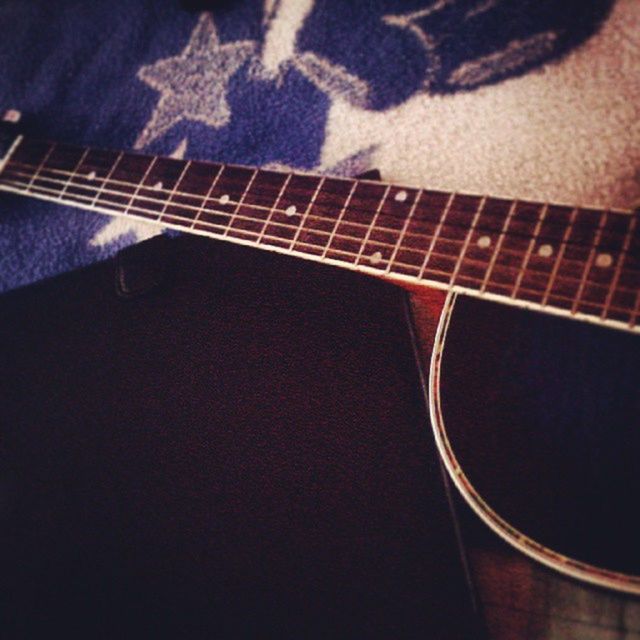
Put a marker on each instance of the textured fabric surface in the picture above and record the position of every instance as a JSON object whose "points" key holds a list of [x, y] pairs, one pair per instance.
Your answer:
{"points": [[524, 98]]}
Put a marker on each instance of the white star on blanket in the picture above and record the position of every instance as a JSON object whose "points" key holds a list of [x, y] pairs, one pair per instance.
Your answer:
{"points": [[193, 85]]}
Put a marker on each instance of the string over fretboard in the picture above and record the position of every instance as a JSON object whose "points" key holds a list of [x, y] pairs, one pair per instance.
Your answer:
{"points": [[579, 262]]}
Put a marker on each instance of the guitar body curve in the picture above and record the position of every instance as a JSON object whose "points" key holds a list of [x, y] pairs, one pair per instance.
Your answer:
{"points": [[536, 420]]}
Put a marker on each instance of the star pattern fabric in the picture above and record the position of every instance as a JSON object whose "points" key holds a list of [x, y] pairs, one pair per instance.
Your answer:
{"points": [[193, 85], [513, 97]]}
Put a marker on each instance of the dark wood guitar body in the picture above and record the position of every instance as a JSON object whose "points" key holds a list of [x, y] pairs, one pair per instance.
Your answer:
{"points": [[196, 446], [534, 417], [543, 418], [539, 419]]}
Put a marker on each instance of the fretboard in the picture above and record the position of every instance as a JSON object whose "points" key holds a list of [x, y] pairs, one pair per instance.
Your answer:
{"points": [[575, 261]]}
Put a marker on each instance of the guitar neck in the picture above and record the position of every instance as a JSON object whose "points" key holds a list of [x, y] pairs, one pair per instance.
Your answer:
{"points": [[579, 262]]}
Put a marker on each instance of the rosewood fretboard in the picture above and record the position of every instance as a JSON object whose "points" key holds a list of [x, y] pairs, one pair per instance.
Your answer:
{"points": [[579, 262]]}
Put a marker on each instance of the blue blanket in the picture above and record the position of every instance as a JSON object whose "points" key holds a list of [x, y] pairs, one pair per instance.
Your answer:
{"points": [[265, 83]]}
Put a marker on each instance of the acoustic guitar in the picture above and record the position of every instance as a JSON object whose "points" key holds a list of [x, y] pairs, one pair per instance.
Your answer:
{"points": [[525, 313]]}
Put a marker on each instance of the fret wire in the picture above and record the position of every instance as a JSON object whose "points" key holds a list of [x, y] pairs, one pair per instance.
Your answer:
{"points": [[558, 260], [191, 207], [467, 239], [403, 233], [430, 270], [370, 226], [67, 184], [436, 234], [196, 196], [275, 206], [10, 153], [616, 275], [79, 200], [106, 180], [40, 166], [306, 214], [441, 272], [496, 251], [240, 202], [154, 200], [173, 191], [541, 217], [339, 219], [139, 185], [589, 263], [125, 183], [201, 209]]}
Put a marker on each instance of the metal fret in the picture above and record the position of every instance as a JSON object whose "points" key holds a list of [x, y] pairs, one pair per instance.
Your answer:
{"points": [[467, 239], [436, 234], [275, 206], [201, 208], [403, 232], [532, 244], [73, 174], [240, 201], [136, 191], [106, 179], [12, 149], [558, 260], [173, 191], [589, 263], [372, 223], [40, 167], [306, 214], [618, 271], [496, 251], [340, 216]]}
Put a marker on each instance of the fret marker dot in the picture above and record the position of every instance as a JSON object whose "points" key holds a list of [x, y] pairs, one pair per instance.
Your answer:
{"points": [[157, 186], [375, 258], [290, 210], [401, 196], [604, 260], [484, 242], [545, 250], [91, 176], [224, 199]]}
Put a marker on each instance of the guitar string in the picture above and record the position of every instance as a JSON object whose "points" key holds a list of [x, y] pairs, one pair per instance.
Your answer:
{"points": [[124, 208], [415, 234], [450, 224], [549, 222], [121, 208], [430, 271], [564, 243], [421, 236], [380, 183], [378, 228]]}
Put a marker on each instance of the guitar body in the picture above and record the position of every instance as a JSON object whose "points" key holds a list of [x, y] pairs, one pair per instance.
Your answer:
{"points": [[535, 416], [536, 419], [200, 440]]}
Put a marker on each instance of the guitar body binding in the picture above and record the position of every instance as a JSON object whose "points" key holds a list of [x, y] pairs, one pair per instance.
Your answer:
{"points": [[441, 309]]}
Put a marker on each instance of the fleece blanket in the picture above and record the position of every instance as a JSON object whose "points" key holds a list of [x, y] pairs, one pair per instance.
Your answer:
{"points": [[534, 99]]}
